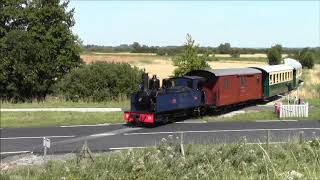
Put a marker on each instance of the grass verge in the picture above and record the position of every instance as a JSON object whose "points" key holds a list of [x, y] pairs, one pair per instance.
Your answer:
{"points": [[314, 114], [53, 102], [43, 119], [212, 161]]}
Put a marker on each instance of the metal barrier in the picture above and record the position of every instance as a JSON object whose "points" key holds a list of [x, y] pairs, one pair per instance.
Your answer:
{"points": [[296, 110]]}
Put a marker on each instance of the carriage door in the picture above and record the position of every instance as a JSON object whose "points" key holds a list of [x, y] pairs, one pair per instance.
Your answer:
{"points": [[295, 82], [243, 88]]}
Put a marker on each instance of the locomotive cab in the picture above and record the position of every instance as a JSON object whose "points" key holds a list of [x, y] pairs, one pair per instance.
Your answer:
{"points": [[192, 82]]}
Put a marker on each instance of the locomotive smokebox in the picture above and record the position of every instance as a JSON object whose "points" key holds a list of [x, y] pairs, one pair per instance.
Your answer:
{"points": [[145, 79]]}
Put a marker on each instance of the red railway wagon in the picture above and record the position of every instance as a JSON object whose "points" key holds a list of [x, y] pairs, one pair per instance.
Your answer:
{"points": [[230, 86]]}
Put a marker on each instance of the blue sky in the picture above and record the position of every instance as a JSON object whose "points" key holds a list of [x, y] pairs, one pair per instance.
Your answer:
{"points": [[241, 23]]}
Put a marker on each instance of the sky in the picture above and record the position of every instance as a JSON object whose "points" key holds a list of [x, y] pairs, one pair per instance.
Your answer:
{"points": [[163, 23]]}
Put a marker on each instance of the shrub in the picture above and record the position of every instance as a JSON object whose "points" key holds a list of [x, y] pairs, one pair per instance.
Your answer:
{"points": [[307, 60], [99, 81], [274, 55], [235, 54]]}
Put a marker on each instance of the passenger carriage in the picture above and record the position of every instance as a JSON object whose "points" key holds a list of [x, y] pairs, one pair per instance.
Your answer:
{"points": [[297, 71], [277, 79]]}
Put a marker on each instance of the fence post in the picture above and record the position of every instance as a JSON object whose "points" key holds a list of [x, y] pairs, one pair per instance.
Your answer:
{"points": [[280, 111], [181, 145], [301, 137], [268, 139], [307, 109]]}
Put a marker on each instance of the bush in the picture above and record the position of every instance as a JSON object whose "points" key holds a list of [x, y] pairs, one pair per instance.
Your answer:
{"points": [[274, 55], [307, 60], [100, 81], [235, 54]]}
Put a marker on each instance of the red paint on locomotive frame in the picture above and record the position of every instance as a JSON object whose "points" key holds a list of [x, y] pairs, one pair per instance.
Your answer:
{"points": [[138, 117]]}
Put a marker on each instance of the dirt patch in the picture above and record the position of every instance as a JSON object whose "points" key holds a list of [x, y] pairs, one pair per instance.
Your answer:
{"points": [[12, 162]]}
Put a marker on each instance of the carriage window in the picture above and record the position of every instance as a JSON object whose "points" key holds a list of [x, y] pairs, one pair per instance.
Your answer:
{"points": [[285, 76], [270, 79], [280, 77], [225, 83], [274, 78]]}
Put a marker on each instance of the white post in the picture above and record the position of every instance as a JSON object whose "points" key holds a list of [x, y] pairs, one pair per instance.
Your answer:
{"points": [[45, 148], [307, 109], [280, 110], [46, 144]]}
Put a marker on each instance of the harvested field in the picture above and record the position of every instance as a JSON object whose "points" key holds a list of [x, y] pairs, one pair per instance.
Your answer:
{"points": [[88, 58], [161, 65], [311, 86]]}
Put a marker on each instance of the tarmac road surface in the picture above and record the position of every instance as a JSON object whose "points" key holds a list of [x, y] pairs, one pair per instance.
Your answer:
{"points": [[69, 139]]}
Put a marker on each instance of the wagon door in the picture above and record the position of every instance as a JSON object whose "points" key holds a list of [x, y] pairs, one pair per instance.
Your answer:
{"points": [[244, 93]]}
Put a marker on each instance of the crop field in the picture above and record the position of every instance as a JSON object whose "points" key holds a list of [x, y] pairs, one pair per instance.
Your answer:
{"points": [[162, 65]]}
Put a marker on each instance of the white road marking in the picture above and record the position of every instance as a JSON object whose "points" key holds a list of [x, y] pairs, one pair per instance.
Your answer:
{"points": [[35, 137], [63, 110], [190, 122], [122, 148], [216, 131], [276, 120], [86, 125], [102, 134], [115, 132], [14, 152]]}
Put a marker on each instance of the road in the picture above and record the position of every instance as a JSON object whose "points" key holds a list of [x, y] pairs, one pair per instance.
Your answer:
{"points": [[100, 138]]}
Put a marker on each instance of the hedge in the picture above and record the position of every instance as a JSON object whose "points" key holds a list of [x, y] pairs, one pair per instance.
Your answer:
{"points": [[99, 81]]}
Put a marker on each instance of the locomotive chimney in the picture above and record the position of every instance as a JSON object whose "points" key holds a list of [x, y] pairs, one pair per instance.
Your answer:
{"points": [[145, 78]]}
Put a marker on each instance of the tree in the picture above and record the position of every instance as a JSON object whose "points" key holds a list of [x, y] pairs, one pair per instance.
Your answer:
{"points": [[306, 57], [189, 60], [224, 48], [136, 48], [37, 47], [274, 55]]}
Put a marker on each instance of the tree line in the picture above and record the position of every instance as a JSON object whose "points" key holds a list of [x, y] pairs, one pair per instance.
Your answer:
{"points": [[223, 48]]}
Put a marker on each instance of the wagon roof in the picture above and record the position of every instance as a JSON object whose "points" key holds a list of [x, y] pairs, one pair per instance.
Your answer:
{"points": [[275, 68], [226, 72], [292, 62]]}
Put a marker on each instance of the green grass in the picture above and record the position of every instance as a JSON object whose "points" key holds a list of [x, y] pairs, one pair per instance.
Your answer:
{"points": [[165, 161], [53, 102], [314, 114], [314, 101], [45, 119]]}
